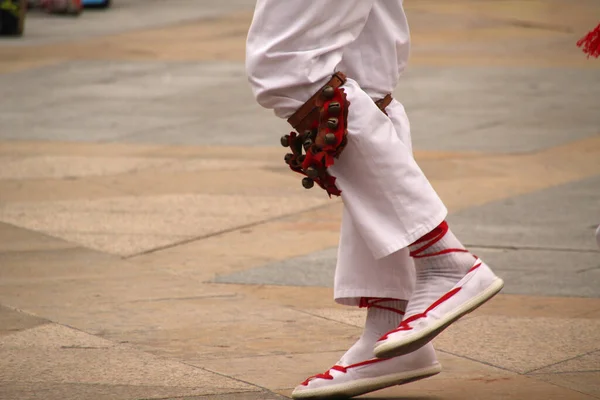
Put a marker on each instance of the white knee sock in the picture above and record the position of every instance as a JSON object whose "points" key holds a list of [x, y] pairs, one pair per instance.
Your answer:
{"points": [[440, 262], [383, 315]]}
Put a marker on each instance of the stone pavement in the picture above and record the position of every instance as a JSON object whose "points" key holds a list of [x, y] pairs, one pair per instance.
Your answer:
{"points": [[146, 214]]}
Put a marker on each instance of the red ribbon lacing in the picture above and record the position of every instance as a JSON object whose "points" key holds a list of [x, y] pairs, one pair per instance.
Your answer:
{"points": [[405, 324], [364, 302], [327, 375], [373, 302], [430, 239]]}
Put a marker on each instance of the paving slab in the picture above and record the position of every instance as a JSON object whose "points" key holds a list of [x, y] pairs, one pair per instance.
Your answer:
{"points": [[498, 109], [15, 239], [582, 382], [12, 321], [532, 221], [53, 353], [124, 15], [140, 138], [517, 236]]}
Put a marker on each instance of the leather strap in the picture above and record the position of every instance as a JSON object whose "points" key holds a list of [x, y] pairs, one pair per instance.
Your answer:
{"points": [[308, 111], [383, 103]]}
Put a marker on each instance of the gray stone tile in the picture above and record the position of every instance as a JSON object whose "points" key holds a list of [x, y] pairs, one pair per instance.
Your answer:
{"points": [[559, 218], [499, 109], [315, 269], [123, 16], [210, 103], [541, 244]]}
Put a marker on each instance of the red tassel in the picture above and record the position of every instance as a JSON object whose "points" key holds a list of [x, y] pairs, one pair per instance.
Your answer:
{"points": [[590, 43]]}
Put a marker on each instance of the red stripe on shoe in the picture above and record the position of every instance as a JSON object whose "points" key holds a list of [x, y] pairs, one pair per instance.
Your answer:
{"points": [[327, 375], [405, 324], [372, 302], [474, 267]]}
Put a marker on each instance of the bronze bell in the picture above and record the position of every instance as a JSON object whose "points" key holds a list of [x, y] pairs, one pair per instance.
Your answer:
{"points": [[312, 172], [334, 108], [307, 133], [307, 183], [285, 140], [328, 92], [307, 143], [301, 158], [332, 123], [330, 139], [288, 158]]}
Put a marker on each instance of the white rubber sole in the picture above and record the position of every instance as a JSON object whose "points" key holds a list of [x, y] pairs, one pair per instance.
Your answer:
{"points": [[410, 343], [366, 385]]}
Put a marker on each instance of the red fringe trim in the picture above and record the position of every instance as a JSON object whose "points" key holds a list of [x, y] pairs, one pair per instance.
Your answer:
{"points": [[590, 43]]}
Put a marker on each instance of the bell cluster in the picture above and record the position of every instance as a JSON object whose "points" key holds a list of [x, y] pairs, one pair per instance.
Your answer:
{"points": [[308, 140]]}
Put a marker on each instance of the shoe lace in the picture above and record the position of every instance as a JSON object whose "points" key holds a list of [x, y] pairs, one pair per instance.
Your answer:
{"points": [[327, 375], [373, 302], [432, 238], [405, 324]]}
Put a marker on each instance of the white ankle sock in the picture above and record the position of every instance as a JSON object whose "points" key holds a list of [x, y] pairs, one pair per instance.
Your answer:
{"points": [[440, 261], [381, 318]]}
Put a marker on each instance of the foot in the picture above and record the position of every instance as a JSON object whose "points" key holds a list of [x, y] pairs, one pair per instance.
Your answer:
{"points": [[345, 381], [417, 329]]}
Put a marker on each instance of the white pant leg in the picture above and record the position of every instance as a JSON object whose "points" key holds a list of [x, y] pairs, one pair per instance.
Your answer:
{"points": [[293, 47], [380, 53], [358, 274]]}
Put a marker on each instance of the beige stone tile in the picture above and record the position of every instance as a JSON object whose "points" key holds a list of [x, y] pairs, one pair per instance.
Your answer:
{"points": [[519, 343], [54, 353], [245, 333], [274, 372], [67, 263], [463, 182], [583, 382], [254, 246], [115, 294], [13, 238], [270, 154], [30, 191], [181, 216], [348, 315], [591, 314], [96, 391], [285, 371], [490, 388], [121, 243], [585, 363], [539, 306], [12, 321], [24, 148], [176, 316], [177, 180], [73, 166]]}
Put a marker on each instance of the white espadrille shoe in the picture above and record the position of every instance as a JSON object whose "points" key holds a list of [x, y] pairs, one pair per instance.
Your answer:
{"points": [[368, 376]]}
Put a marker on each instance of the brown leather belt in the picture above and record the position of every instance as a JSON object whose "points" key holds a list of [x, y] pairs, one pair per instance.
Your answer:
{"points": [[308, 112], [383, 103]]}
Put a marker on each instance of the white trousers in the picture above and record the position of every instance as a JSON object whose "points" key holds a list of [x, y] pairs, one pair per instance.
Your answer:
{"points": [[293, 48]]}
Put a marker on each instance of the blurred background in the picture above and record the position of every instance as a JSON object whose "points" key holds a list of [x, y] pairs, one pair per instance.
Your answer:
{"points": [[154, 245]]}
